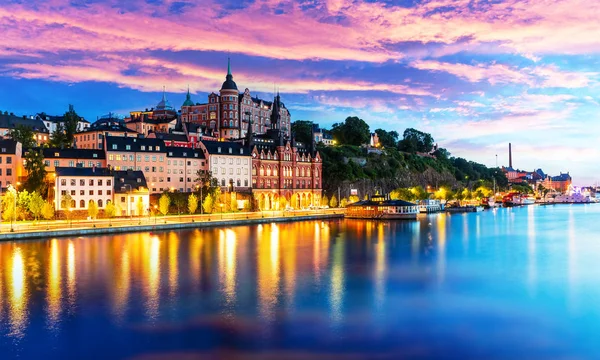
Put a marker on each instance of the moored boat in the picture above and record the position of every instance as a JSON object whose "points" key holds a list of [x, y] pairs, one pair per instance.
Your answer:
{"points": [[380, 207]]}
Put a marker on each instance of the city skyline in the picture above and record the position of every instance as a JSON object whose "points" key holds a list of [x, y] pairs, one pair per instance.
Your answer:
{"points": [[476, 75]]}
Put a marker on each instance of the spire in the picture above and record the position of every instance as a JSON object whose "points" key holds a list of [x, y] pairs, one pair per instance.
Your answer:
{"points": [[164, 98], [228, 65], [188, 98]]}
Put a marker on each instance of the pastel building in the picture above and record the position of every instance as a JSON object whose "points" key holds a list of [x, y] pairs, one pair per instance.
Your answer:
{"points": [[82, 185], [229, 163], [182, 167], [10, 162], [93, 137], [9, 122], [85, 158], [130, 190]]}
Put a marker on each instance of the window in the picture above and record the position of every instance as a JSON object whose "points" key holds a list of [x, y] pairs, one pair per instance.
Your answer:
{"points": [[246, 182], [114, 146], [72, 192], [99, 192], [127, 147], [91, 182], [108, 192], [108, 183], [81, 182], [143, 148], [63, 182], [82, 192], [100, 202], [71, 163], [222, 182], [56, 163]]}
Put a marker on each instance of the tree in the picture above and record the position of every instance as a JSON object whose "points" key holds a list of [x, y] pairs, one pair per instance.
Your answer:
{"points": [[179, 201], [324, 201], [92, 209], [387, 139], [419, 193], [402, 194], [333, 202], [36, 205], [47, 211], [416, 141], [344, 202], [110, 211], [163, 204], [71, 119], [303, 131], [8, 204], [353, 131], [66, 202], [283, 203], [23, 200], [233, 204], [207, 204], [192, 204], [36, 171], [140, 207], [353, 199], [58, 139], [24, 135]]}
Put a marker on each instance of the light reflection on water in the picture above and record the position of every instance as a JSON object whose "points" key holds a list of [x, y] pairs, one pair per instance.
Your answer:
{"points": [[525, 276]]}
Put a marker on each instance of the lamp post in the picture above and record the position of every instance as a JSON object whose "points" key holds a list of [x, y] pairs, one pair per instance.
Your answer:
{"points": [[14, 217], [221, 205], [129, 200], [155, 211]]}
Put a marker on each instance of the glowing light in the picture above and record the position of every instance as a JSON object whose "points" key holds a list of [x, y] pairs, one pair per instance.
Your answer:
{"points": [[71, 277], [18, 295], [153, 278], [54, 286]]}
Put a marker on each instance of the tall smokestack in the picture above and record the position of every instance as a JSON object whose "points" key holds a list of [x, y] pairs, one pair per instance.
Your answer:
{"points": [[510, 155]]}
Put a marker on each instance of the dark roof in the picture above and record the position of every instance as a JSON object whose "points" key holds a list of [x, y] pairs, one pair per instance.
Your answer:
{"points": [[562, 177], [177, 151], [135, 144], [110, 124], [229, 84], [57, 118], [382, 203], [171, 137], [192, 127], [82, 171], [50, 153], [10, 145], [12, 121], [129, 177], [214, 146]]}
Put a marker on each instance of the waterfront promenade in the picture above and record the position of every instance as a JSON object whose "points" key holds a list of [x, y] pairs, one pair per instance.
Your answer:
{"points": [[56, 228]]}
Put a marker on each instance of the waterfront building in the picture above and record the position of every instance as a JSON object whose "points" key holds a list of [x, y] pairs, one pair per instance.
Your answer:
{"points": [[227, 115], [183, 165], [9, 122], [139, 154], [130, 189], [10, 162], [560, 183], [381, 207], [82, 185], [163, 118], [229, 163], [93, 137]]}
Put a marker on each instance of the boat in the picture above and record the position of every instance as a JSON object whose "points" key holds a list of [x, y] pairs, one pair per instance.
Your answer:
{"points": [[517, 199], [572, 198], [380, 207], [464, 209]]}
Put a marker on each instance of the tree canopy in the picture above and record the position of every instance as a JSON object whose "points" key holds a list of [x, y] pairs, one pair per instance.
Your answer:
{"points": [[387, 138], [302, 130], [24, 135], [416, 141], [353, 131]]}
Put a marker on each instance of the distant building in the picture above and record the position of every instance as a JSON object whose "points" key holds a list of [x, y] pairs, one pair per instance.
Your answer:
{"points": [[56, 157], [52, 122], [229, 164], [558, 183], [9, 122], [93, 137]]}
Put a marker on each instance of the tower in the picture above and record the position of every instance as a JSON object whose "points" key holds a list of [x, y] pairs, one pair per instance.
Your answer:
{"points": [[510, 155], [228, 116]]}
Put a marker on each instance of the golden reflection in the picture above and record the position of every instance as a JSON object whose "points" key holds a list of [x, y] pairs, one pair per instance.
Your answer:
{"points": [[268, 270], [17, 295], [227, 263], [173, 264], [380, 266], [337, 280], [54, 294], [71, 277], [290, 249], [195, 258], [441, 258], [121, 290], [153, 295]]}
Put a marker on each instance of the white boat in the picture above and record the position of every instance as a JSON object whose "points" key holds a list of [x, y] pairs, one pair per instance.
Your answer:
{"points": [[573, 198]]}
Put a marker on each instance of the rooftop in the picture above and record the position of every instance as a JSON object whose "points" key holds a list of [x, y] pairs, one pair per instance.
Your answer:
{"points": [[82, 171]]}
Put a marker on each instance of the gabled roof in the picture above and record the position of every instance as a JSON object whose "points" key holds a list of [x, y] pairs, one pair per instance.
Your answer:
{"points": [[222, 148], [10, 145], [133, 178], [116, 125], [171, 137], [12, 121], [82, 171], [135, 144]]}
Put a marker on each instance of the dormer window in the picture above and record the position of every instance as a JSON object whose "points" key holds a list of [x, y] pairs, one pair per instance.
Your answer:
{"points": [[139, 180], [143, 147], [94, 155], [55, 154], [170, 153], [230, 150], [114, 146], [219, 149], [184, 154], [242, 151], [157, 148]]}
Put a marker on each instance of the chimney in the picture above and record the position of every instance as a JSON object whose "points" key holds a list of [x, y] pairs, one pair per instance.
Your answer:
{"points": [[510, 155]]}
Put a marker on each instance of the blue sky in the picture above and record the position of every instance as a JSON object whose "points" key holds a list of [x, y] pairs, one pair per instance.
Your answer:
{"points": [[476, 74]]}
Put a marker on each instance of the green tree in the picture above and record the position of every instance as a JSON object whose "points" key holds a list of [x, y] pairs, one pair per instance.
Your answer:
{"points": [[23, 200], [71, 119], [66, 203], [388, 139], [24, 135], [48, 211], [192, 204], [353, 131], [333, 202], [353, 199], [207, 204], [92, 209], [140, 207], [110, 210], [419, 193], [402, 194], [302, 129], [36, 171], [8, 204], [58, 139], [416, 141], [163, 204], [344, 203], [324, 201], [36, 205]]}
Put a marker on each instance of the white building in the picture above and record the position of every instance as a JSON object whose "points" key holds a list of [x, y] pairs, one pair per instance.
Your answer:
{"points": [[230, 164], [83, 185]]}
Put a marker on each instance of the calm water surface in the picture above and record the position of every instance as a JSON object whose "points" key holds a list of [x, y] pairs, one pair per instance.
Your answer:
{"points": [[511, 283]]}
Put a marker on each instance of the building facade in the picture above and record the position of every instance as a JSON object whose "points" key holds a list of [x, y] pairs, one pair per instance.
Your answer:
{"points": [[82, 185], [10, 162], [229, 163], [132, 196], [93, 137]]}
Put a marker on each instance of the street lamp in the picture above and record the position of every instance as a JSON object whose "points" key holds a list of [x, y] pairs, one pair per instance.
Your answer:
{"points": [[221, 205], [15, 207], [155, 211]]}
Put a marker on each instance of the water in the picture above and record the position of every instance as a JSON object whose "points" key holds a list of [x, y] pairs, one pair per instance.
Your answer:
{"points": [[511, 283]]}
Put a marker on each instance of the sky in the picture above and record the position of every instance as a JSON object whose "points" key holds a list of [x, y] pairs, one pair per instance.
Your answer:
{"points": [[476, 74]]}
